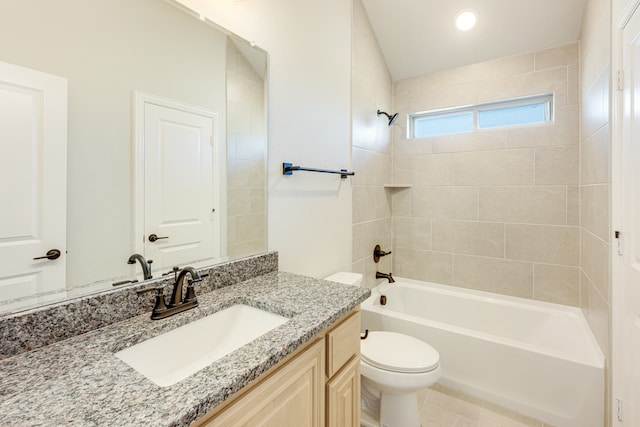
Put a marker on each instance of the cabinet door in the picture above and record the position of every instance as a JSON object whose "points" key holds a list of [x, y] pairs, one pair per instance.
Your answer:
{"points": [[343, 342], [343, 397], [291, 397]]}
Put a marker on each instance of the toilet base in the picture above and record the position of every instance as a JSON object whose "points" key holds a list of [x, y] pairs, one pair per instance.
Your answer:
{"points": [[388, 409], [399, 410]]}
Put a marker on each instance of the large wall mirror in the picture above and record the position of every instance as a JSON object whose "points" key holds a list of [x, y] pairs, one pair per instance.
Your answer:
{"points": [[155, 121]]}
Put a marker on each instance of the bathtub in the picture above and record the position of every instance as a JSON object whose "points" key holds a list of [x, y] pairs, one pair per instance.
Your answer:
{"points": [[536, 358]]}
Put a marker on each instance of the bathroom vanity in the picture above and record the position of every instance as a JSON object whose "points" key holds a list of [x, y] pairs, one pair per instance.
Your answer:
{"points": [[292, 393], [307, 368]]}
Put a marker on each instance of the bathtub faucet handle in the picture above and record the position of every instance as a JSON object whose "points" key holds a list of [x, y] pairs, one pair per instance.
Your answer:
{"points": [[379, 253]]}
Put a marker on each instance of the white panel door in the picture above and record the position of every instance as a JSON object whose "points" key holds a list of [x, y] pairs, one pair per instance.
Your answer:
{"points": [[181, 186], [33, 134], [631, 225]]}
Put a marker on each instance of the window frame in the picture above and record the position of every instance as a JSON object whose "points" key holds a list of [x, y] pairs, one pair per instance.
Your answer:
{"points": [[547, 98]]}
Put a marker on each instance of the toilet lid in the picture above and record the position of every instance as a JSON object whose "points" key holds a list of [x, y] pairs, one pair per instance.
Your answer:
{"points": [[398, 352]]}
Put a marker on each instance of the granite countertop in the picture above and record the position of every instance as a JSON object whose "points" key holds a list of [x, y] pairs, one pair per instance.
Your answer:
{"points": [[79, 381]]}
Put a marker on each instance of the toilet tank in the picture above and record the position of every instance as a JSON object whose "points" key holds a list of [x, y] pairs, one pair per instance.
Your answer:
{"points": [[354, 279]]}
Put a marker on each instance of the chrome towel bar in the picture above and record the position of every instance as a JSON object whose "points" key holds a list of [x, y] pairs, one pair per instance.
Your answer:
{"points": [[288, 168]]}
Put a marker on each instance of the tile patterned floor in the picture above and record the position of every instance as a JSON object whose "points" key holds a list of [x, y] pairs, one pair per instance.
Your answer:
{"points": [[445, 407]]}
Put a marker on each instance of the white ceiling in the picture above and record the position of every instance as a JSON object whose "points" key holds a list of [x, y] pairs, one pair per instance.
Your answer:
{"points": [[419, 36]]}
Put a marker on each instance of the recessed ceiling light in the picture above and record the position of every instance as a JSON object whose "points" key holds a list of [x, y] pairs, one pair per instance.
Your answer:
{"points": [[466, 19]]}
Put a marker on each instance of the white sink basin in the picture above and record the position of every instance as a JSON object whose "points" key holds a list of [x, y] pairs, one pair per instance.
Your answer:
{"points": [[177, 354]]}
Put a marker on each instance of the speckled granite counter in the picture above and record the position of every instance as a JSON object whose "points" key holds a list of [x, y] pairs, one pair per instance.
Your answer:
{"points": [[79, 381]]}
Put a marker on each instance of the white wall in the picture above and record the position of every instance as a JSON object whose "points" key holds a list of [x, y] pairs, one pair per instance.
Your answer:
{"points": [[309, 45]]}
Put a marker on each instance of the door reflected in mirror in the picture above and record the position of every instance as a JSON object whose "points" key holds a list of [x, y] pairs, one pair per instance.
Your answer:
{"points": [[202, 185]]}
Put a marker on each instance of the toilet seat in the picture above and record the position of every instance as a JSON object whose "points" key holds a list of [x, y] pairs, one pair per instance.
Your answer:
{"points": [[392, 351]]}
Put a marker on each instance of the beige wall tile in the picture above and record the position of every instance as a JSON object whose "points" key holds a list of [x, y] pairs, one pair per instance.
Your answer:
{"points": [[557, 165], [367, 267], [403, 146], [473, 238], [596, 311], [367, 235], [369, 131], [240, 249], [423, 265], [545, 81], [384, 265], [573, 205], [595, 106], [573, 84], [370, 203], [564, 130], [595, 42], [502, 167], [543, 243], [501, 67], [594, 254], [557, 284], [594, 210], [400, 201], [245, 173], [243, 201], [428, 169], [445, 97], [595, 158], [479, 141], [455, 177], [250, 227], [531, 205], [503, 276], [445, 202], [412, 233], [371, 168], [557, 57]]}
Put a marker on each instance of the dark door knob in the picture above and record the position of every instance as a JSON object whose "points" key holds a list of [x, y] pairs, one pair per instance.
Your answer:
{"points": [[154, 237], [51, 254]]}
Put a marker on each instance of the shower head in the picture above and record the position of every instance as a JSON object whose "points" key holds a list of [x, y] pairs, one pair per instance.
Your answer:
{"points": [[390, 117]]}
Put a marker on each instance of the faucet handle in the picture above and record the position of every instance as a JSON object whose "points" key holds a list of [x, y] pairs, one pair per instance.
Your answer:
{"points": [[191, 294], [379, 253], [160, 304], [158, 289]]}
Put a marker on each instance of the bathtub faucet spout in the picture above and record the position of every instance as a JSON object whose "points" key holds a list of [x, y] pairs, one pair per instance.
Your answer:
{"points": [[389, 277]]}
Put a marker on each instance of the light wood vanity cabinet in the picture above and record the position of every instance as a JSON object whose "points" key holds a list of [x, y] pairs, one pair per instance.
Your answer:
{"points": [[317, 385]]}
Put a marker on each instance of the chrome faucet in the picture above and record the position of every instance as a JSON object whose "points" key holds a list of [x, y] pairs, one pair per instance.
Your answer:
{"points": [[389, 277], [146, 265]]}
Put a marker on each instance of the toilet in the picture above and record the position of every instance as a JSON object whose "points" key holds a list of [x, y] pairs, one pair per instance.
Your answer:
{"points": [[393, 367]]}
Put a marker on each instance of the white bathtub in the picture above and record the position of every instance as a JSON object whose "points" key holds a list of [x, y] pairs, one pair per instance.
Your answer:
{"points": [[536, 358]]}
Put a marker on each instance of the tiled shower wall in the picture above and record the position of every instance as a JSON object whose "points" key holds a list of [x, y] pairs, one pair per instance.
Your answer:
{"points": [[246, 156], [494, 210], [371, 150], [595, 160]]}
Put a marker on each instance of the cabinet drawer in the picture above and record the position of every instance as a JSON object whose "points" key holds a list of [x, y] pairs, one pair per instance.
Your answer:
{"points": [[343, 342]]}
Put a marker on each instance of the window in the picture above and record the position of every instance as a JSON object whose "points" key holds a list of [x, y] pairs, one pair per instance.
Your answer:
{"points": [[466, 119]]}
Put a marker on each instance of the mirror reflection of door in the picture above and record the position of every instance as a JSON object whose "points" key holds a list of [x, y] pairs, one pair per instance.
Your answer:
{"points": [[33, 146], [181, 184]]}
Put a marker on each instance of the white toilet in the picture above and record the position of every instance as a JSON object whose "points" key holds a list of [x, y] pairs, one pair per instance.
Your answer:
{"points": [[393, 368]]}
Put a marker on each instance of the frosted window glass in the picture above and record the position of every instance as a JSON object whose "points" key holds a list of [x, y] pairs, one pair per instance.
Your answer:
{"points": [[513, 115], [471, 118], [443, 124]]}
